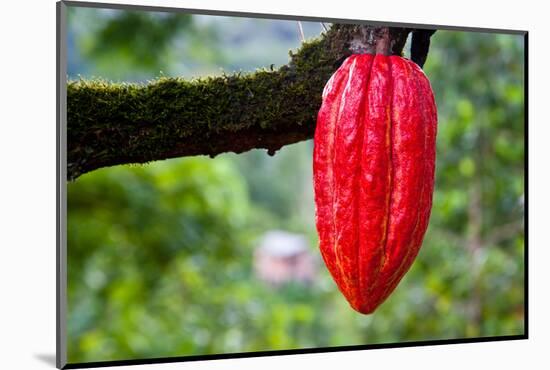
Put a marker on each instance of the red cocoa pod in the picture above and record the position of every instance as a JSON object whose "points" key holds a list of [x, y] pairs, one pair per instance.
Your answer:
{"points": [[373, 168]]}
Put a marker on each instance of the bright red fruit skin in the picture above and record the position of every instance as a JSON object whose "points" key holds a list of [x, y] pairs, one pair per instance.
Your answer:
{"points": [[373, 169]]}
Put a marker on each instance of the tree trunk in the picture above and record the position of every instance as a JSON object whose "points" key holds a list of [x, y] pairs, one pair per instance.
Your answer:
{"points": [[112, 123]]}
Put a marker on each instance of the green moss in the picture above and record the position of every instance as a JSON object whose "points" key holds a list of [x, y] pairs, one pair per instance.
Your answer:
{"points": [[112, 123]]}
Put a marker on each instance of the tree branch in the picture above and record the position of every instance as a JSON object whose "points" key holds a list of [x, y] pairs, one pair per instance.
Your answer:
{"points": [[110, 124], [420, 44]]}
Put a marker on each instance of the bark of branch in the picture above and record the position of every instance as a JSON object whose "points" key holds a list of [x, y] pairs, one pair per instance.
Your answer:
{"points": [[110, 124]]}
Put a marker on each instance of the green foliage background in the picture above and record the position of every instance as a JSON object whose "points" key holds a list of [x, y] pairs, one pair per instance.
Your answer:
{"points": [[160, 255]]}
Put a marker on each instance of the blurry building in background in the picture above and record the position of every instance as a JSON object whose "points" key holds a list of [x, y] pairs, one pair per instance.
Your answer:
{"points": [[282, 257]]}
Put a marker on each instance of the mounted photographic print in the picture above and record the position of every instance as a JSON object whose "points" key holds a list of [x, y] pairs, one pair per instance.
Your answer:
{"points": [[234, 185]]}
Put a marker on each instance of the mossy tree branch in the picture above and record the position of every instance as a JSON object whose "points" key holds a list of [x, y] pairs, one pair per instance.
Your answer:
{"points": [[110, 124]]}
